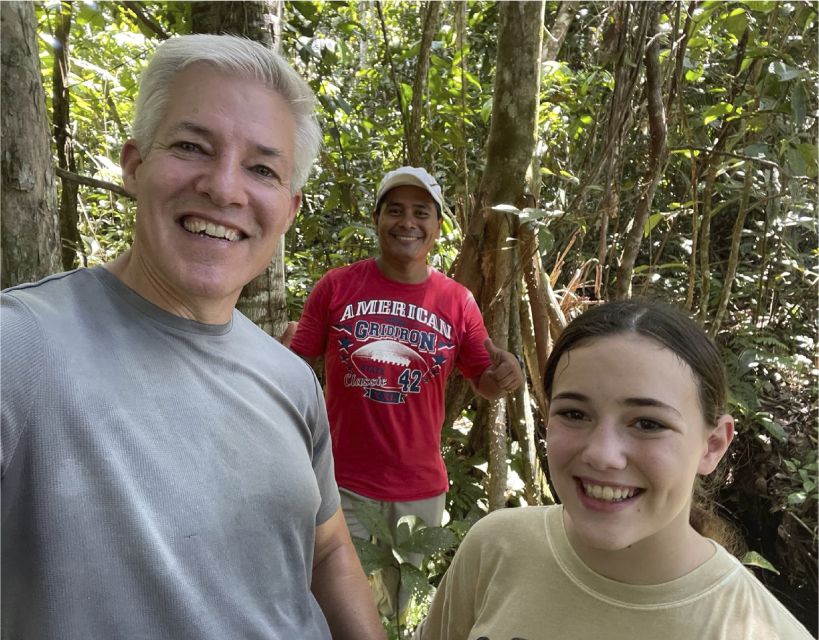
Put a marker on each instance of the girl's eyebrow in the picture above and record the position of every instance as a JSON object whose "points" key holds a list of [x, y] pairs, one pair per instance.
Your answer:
{"points": [[570, 395], [650, 402], [631, 402]]}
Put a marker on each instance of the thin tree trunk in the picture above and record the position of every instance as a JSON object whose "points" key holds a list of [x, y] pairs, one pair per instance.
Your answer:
{"points": [[30, 226], [657, 154], [61, 116], [510, 147], [254, 20], [399, 95], [733, 258], [520, 413], [560, 28], [430, 20]]}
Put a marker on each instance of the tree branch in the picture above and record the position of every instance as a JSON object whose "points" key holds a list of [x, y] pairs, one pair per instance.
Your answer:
{"points": [[146, 20], [92, 182]]}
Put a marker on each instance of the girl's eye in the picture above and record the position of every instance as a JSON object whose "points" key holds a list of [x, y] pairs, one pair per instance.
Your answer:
{"points": [[649, 426], [571, 414]]}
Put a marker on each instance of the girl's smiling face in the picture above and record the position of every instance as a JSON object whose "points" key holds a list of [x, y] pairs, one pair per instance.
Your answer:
{"points": [[626, 439]]}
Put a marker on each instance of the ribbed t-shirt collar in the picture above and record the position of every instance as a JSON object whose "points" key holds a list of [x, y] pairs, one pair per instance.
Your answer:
{"points": [[155, 313], [696, 584]]}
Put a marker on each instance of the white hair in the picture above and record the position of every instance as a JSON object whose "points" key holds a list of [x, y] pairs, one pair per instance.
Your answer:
{"points": [[238, 56]]}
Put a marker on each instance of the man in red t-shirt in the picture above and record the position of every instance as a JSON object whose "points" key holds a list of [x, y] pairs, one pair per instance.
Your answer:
{"points": [[391, 330]]}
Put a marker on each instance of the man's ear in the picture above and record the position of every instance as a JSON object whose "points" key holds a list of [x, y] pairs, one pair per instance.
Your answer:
{"points": [[716, 445], [295, 205], [129, 159]]}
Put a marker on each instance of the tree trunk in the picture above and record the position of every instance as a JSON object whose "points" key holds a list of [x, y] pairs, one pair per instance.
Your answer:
{"points": [[254, 20], [263, 299], [419, 85], [657, 153], [486, 261], [30, 237], [72, 246]]}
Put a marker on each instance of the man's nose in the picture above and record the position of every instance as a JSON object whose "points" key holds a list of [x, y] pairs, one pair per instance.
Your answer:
{"points": [[407, 219], [605, 447], [223, 182]]}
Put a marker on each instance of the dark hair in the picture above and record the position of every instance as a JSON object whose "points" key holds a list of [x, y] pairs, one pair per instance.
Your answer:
{"points": [[677, 332], [657, 321]]}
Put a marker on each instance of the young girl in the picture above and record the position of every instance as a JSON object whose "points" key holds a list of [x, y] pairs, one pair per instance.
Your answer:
{"points": [[636, 412]]}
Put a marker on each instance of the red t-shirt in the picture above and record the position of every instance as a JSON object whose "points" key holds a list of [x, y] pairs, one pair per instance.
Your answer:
{"points": [[388, 349]]}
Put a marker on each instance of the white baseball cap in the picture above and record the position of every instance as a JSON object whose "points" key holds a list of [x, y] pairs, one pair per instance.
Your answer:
{"points": [[411, 176]]}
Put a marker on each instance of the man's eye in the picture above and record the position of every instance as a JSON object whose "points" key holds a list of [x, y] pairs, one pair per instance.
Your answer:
{"points": [[265, 172], [188, 147]]}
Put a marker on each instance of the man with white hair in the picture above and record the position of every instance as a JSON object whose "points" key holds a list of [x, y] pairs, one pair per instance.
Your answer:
{"points": [[166, 466], [391, 329]]}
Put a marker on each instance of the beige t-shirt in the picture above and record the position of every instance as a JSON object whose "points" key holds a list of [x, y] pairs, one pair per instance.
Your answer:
{"points": [[515, 577]]}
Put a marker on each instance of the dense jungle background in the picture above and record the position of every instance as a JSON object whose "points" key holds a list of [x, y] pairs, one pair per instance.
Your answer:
{"points": [[588, 151]]}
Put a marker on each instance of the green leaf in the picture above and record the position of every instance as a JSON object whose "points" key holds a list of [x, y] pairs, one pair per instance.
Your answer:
{"points": [[370, 516], [809, 156], [797, 497], [783, 71], [715, 111], [406, 92], [529, 214], [799, 103], [694, 75], [653, 220], [796, 163], [505, 208], [762, 6], [757, 150], [414, 581], [736, 22], [371, 556], [772, 427], [429, 540], [545, 240], [754, 559]]}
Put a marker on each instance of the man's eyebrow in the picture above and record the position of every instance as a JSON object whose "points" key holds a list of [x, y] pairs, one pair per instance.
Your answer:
{"points": [[203, 131], [191, 127]]}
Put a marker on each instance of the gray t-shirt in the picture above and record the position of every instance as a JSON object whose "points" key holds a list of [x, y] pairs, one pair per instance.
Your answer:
{"points": [[161, 478]]}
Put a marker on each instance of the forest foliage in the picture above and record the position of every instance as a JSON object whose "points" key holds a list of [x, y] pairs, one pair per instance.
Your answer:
{"points": [[729, 199]]}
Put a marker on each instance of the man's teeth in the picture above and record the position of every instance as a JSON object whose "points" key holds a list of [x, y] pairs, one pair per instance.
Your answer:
{"points": [[609, 494], [210, 229]]}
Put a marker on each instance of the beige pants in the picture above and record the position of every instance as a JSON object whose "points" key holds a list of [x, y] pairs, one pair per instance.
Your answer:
{"points": [[386, 583]]}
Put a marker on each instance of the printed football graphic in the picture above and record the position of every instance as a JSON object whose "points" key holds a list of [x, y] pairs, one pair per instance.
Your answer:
{"points": [[388, 359]]}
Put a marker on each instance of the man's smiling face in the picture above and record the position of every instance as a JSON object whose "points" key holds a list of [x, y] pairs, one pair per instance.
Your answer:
{"points": [[407, 226], [213, 192]]}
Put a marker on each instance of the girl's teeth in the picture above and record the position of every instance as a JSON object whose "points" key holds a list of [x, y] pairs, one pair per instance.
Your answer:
{"points": [[609, 494]]}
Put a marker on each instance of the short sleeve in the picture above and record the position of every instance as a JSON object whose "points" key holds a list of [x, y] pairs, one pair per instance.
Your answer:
{"points": [[473, 359], [311, 336], [21, 361], [323, 459]]}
